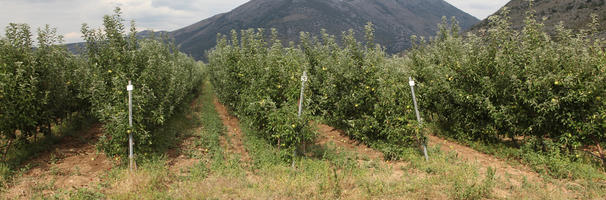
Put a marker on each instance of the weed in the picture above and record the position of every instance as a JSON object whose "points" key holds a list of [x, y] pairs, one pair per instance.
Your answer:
{"points": [[53, 159], [199, 171], [76, 171], [337, 184], [85, 194], [54, 170], [5, 173]]}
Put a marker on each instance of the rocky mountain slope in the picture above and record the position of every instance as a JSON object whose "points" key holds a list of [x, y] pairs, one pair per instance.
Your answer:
{"points": [[395, 20], [575, 14]]}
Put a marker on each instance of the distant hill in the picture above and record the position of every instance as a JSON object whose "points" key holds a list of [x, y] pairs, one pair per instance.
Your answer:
{"points": [[576, 14], [395, 21]]}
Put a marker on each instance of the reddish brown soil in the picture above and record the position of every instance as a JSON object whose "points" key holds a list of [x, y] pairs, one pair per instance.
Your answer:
{"points": [[234, 145], [74, 163]]}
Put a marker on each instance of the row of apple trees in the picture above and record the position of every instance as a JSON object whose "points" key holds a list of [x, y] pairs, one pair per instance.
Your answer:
{"points": [[503, 83], [489, 85], [38, 83], [161, 75], [42, 84], [352, 85]]}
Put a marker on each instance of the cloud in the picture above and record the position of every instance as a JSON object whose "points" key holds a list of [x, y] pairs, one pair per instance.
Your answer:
{"points": [[72, 36], [68, 15]]}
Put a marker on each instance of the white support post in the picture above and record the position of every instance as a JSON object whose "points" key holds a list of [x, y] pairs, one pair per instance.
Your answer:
{"points": [[303, 80], [414, 100], [129, 88]]}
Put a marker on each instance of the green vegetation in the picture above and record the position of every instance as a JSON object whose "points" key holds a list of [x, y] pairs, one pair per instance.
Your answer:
{"points": [[262, 85], [44, 87], [329, 172], [511, 84], [524, 96], [162, 76], [38, 84], [39, 98], [355, 88], [499, 85]]}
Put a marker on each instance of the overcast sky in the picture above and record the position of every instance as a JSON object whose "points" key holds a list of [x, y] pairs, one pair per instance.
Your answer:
{"points": [[68, 15]]}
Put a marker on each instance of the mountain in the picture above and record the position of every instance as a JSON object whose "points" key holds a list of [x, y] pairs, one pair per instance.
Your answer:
{"points": [[150, 33], [395, 21], [575, 14]]}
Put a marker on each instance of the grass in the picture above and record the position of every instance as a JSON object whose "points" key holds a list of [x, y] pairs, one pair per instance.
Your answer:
{"points": [[326, 172]]}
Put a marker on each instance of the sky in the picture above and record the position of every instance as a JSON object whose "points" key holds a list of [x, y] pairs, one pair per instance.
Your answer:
{"points": [[69, 15]]}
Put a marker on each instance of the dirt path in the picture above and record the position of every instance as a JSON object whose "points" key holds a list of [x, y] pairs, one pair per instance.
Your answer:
{"points": [[485, 160], [73, 163], [233, 142]]}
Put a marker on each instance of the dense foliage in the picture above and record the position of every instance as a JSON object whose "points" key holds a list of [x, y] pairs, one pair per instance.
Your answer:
{"points": [[161, 75], [503, 83], [491, 85], [354, 87], [358, 89], [261, 84], [40, 85]]}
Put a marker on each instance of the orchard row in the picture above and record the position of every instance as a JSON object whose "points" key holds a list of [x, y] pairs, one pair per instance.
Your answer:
{"points": [[43, 84], [489, 85]]}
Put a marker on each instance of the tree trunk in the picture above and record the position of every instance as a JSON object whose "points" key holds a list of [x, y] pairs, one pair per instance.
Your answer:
{"points": [[513, 140], [49, 131], [601, 152], [10, 141]]}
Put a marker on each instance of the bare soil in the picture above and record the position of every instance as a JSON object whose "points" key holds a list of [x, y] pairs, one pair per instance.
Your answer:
{"points": [[73, 163]]}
